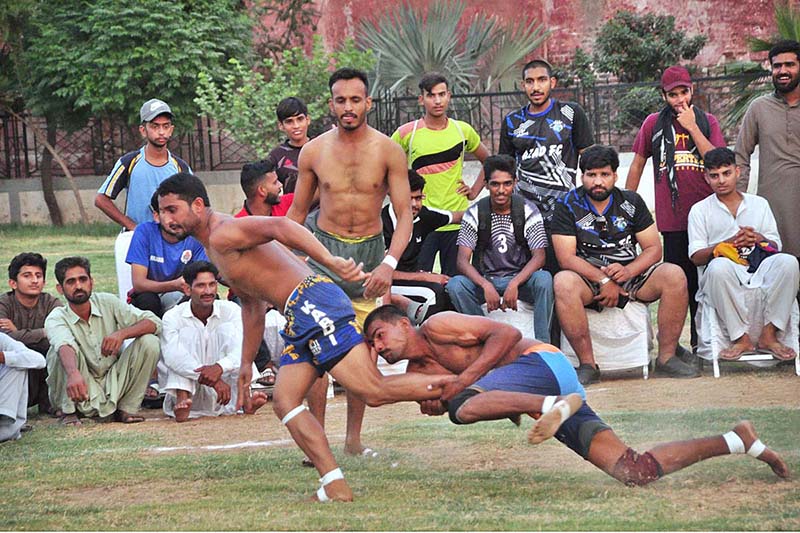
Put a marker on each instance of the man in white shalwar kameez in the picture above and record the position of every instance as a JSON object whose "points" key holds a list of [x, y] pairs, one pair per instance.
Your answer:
{"points": [[201, 349], [742, 220], [15, 361]]}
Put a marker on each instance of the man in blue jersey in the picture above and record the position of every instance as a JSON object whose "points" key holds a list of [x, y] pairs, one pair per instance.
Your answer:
{"points": [[502, 375], [140, 172]]}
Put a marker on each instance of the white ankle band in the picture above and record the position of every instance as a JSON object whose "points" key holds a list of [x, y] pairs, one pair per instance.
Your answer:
{"points": [[734, 442], [322, 496], [548, 403], [757, 448], [293, 413], [331, 476]]}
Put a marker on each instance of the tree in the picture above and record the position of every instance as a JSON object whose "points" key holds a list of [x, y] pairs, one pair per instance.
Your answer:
{"points": [[245, 100], [755, 79], [473, 54], [639, 47]]}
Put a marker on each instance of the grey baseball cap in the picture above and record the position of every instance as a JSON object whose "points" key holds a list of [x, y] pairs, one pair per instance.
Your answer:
{"points": [[152, 108]]}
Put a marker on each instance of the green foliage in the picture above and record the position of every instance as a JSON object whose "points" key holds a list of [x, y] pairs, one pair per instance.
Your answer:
{"points": [[105, 58], [244, 101], [291, 19], [579, 70], [474, 54], [639, 47], [635, 105]]}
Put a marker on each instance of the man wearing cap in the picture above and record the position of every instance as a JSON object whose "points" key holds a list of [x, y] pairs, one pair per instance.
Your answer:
{"points": [[140, 172], [676, 138]]}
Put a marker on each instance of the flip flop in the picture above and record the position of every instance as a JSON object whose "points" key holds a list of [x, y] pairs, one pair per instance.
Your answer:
{"points": [[70, 420]]}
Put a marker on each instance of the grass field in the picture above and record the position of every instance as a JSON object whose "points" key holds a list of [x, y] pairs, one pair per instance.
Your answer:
{"points": [[430, 475]]}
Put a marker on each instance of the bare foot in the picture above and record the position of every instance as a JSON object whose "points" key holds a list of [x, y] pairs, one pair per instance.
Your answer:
{"points": [[127, 418], [70, 420], [338, 491], [257, 401], [182, 409], [361, 451], [549, 422], [748, 434], [735, 350], [779, 351]]}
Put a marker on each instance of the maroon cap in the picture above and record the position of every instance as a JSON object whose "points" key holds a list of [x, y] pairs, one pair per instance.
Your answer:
{"points": [[675, 76]]}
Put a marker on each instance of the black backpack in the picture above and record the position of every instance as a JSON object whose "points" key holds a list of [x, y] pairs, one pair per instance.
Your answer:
{"points": [[485, 227]]}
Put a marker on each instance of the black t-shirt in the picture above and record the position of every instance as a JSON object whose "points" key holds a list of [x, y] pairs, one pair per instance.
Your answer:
{"points": [[427, 221], [285, 157], [546, 147], [603, 238]]}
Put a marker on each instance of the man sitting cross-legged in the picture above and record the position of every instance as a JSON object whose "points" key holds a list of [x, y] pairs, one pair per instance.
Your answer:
{"points": [[252, 256], [744, 221], [500, 374], [201, 347], [596, 229]]}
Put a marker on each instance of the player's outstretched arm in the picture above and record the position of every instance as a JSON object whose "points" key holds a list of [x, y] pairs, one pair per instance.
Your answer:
{"points": [[253, 311]]}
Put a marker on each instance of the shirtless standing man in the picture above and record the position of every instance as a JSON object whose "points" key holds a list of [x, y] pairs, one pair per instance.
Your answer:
{"points": [[320, 333], [353, 166], [532, 378]]}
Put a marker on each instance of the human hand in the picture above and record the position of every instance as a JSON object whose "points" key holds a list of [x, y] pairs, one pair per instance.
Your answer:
{"points": [[609, 294], [209, 374], [432, 407], [510, 296], [223, 391], [686, 118], [7, 326], [451, 388], [617, 272], [378, 281], [243, 398], [491, 296], [111, 344], [746, 237], [433, 277], [463, 189], [347, 269], [76, 387]]}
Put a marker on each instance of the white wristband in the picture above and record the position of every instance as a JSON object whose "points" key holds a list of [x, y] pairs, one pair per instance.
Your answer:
{"points": [[391, 261]]}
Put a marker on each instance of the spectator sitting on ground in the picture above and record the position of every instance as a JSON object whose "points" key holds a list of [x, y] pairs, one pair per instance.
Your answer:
{"points": [[157, 258], [202, 349], [744, 221], [596, 228], [16, 361], [22, 313], [504, 234], [408, 279], [89, 373]]}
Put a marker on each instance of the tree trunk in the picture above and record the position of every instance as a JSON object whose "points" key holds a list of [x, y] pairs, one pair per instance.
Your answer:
{"points": [[47, 178]]}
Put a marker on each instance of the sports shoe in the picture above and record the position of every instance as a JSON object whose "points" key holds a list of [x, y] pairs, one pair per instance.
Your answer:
{"points": [[588, 374], [675, 368]]}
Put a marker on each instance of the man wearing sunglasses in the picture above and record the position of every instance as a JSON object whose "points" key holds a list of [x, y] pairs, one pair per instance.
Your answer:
{"points": [[596, 229]]}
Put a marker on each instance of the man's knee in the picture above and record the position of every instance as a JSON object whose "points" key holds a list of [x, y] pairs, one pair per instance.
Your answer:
{"points": [[567, 285], [541, 280], [148, 344], [459, 284], [720, 268], [636, 469], [671, 277], [457, 410]]}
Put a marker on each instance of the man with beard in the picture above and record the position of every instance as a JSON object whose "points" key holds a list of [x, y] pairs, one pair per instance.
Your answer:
{"points": [[263, 191], [140, 172], [677, 138], [157, 258], [773, 123], [545, 137], [596, 229], [353, 166], [321, 334], [89, 373]]}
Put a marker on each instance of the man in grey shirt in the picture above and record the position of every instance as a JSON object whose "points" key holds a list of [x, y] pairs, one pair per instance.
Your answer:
{"points": [[773, 122]]}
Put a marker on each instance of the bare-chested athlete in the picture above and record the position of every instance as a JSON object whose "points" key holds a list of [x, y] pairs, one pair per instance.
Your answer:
{"points": [[501, 374], [353, 167], [320, 332]]}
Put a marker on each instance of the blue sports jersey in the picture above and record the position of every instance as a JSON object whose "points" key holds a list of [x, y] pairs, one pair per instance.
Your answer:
{"points": [[164, 260]]}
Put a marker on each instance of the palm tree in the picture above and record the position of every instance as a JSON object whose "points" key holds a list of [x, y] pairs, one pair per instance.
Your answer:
{"points": [[473, 54], [755, 79]]}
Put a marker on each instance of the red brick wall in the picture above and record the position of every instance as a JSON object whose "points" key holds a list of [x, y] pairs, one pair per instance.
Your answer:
{"points": [[574, 23]]}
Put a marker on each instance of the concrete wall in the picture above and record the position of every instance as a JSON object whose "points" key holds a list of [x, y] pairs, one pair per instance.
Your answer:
{"points": [[21, 200]]}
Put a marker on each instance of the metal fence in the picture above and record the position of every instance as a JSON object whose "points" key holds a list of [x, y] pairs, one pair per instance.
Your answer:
{"points": [[92, 150]]}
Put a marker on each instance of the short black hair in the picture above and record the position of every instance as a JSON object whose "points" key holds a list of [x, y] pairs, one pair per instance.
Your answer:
{"points": [[185, 186], [347, 73], [193, 269], [538, 63], [253, 173], [386, 313], [599, 156], [415, 181], [26, 259], [290, 107], [501, 162], [719, 157], [154, 202], [784, 47], [71, 262], [430, 80]]}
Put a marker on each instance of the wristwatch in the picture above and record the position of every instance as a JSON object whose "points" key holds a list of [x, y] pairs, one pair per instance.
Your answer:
{"points": [[604, 281]]}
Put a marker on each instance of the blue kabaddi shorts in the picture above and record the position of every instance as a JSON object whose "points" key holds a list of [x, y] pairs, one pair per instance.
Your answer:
{"points": [[547, 371], [320, 325]]}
